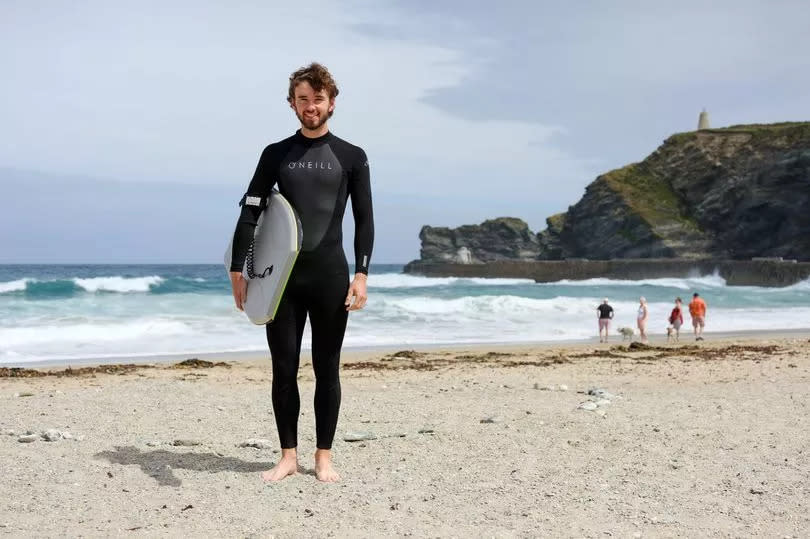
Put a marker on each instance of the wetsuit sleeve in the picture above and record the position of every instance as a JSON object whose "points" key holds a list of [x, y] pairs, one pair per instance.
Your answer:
{"points": [[252, 203], [360, 192]]}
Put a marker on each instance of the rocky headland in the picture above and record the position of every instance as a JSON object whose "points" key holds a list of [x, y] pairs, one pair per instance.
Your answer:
{"points": [[729, 194]]}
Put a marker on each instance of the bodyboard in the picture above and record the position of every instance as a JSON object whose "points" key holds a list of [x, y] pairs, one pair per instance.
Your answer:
{"points": [[272, 254]]}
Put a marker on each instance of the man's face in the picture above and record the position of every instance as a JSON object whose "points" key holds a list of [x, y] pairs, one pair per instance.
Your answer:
{"points": [[312, 108]]}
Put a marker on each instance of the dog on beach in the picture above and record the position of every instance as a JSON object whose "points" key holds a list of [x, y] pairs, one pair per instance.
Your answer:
{"points": [[627, 333], [670, 333]]}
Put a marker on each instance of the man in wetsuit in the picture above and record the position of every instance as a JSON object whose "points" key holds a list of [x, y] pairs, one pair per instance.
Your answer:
{"points": [[317, 172]]}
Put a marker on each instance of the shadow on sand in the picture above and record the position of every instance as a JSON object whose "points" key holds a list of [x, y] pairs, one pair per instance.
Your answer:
{"points": [[160, 464]]}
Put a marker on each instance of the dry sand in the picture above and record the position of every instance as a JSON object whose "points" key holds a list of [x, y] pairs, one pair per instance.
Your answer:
{"points": [[697, 442]]}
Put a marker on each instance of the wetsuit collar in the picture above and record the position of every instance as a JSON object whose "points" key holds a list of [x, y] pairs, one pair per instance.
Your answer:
{"points": [[307, 140]]}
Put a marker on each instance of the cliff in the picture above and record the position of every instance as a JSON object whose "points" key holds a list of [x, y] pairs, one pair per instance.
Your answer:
{"points": [[505, 238], [731, 193]]}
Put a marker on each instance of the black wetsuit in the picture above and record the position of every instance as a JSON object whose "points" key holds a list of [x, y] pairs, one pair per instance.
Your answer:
{"points": [[317, 176]]}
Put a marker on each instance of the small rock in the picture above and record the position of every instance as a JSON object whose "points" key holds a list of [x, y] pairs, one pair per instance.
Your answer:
{"points": [[24, 394], [600, 393], [67, 436], [588, 405], [221, 408], [51, 435], [186, 443], [153, 443], [258, 443], [9, 432], [28, 438], [490, 420], [359, 436], [425, 430], [562, 387]]}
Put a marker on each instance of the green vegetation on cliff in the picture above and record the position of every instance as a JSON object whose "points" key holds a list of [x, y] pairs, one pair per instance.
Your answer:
{"points": [[556, 221], [652, 198], [786, 132]]}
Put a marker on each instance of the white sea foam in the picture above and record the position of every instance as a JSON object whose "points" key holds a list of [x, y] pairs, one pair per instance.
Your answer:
{"points": [[90, 333], [403, 280], [118, 284], [800, 286], [14, 286], [689, 283]]}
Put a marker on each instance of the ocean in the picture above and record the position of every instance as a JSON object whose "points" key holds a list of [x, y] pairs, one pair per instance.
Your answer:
{"points": [[64, 313]]}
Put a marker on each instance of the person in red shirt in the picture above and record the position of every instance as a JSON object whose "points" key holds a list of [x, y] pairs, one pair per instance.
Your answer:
{"points": [[676, 318], [697, 308]]}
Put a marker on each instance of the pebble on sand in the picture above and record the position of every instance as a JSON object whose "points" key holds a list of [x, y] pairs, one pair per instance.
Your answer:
{"points": [[51, 435], [359, 436], [28, 438], [258, 443], [601, 393], [186, 443]]}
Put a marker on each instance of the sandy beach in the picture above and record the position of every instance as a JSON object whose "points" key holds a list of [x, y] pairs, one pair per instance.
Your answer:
{"points": [[478, 441]]}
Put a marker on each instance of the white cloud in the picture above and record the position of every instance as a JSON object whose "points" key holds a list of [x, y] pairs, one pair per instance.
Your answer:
{"points": [[192, 93]]}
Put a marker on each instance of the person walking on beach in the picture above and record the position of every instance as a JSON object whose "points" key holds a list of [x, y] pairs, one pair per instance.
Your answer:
{"points": [[641, 318], [676, 318], [317, 172], [604, 313], [697, 309]]}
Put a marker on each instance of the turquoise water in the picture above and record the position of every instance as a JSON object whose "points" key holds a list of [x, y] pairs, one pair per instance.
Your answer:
{"points": [[102, 311]]}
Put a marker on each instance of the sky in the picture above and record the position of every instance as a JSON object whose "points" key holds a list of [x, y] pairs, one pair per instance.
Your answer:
{"points": [[129, 130]]}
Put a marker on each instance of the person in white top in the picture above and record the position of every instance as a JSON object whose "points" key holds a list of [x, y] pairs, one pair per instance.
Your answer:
{"points": [[642, 318]]}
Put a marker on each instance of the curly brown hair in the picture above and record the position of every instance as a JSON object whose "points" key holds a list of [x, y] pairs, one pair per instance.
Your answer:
{"points": [[317, 76]]}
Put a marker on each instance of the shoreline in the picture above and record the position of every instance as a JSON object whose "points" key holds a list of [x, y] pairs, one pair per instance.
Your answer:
{"points": [[363, 353]]}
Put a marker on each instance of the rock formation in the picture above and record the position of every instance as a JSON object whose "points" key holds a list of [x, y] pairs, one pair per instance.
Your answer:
{"points": [[504, 238], [731, 193]]}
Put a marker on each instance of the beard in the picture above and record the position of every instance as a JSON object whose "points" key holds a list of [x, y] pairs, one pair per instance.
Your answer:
{"points": [[313, 123]]}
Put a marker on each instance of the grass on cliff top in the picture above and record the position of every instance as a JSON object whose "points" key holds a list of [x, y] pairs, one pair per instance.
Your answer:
{"points": [[652, 198], [792, 131], [556, 221]]}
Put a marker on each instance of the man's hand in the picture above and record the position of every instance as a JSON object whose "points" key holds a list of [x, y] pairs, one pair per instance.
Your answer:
{"points": [[239, 286], [357, 292]]}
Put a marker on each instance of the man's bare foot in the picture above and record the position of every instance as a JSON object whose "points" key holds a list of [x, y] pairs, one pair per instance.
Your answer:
{"points": [[323, 466], [288, 465]]}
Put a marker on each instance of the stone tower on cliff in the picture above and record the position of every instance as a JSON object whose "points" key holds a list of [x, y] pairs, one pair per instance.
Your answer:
{"points": [[703, 120]]}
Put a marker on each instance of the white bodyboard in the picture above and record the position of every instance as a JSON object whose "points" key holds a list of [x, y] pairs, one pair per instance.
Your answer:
{"points": [[276, 244]]}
